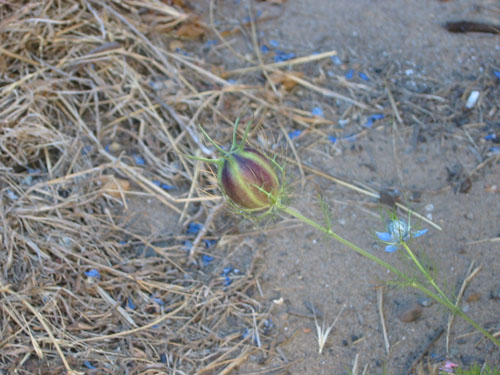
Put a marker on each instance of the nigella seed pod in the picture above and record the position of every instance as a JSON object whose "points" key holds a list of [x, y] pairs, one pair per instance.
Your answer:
{"points": [[249, 179]]}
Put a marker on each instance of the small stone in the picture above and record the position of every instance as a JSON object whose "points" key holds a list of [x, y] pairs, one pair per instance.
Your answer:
{"points": [[495, 294], [411, 314], [425, 302], [471, 101]]}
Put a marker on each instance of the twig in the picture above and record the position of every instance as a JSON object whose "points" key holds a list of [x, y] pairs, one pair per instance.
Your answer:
{"points": [[380, 305], [470, 275]]}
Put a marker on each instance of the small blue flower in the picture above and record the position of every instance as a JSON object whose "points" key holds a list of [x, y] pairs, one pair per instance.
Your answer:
{"points": [[496, 73], [398, 231], [294, 134], [332, 139], [264, 49]]}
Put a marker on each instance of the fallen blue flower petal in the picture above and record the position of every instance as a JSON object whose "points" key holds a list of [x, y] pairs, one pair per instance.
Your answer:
{"points": [[210, 43], [264, 48], [209, 243], [163, 358], [130, 304], [89, 365], [274, 43], [194, 228], [106, 148], [391, 248], [294, 134], [369, 123], [336, 60], [159, 301], [496, 73], [377, 116], [231, 81], [86, 150], [138, 159], [332, 139], [349, 74], [93, 273], [226, 270], [227, 281], [495, 150], [206, 259], [188, 245], [245, 333], [282, 56], [317, 111], [490, 136], [363, 76], [350, 138]]}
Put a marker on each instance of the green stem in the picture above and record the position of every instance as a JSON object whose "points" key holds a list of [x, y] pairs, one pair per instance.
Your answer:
{"points": [[440, 297], [425, 273], [334, 235]]}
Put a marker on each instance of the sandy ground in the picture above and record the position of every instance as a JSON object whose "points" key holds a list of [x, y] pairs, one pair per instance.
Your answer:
{"points": [[403, 39]]}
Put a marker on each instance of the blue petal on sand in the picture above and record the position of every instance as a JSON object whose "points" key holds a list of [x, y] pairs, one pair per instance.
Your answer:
{"points": [[391, 248]]}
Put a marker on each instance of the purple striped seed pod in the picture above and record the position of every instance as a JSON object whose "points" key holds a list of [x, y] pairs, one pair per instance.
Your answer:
{"points": [[249, 179]]}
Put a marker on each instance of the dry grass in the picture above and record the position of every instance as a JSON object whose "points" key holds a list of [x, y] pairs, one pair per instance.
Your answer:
{"points": [[76, 77], [95, 112]]}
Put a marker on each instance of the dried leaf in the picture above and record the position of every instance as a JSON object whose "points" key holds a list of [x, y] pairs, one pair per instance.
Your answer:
{"points": [[285, 79], [191, 30], [491, 189], [114, 186], [174, 45]]}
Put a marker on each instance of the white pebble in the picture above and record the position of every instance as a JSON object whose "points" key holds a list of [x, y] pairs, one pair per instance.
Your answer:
{"points": [[473, 97]]}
